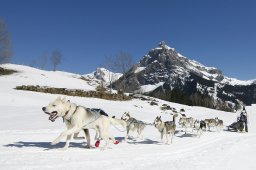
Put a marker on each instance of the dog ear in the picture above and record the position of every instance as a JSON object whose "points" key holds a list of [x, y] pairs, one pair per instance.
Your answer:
{"points": [[159, 117]]}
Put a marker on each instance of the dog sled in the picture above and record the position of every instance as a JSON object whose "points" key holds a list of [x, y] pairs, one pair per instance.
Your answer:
{"points": [[239, 125], [236, 126]]}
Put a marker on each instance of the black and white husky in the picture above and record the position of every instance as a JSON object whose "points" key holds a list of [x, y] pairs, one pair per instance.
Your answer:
{"points": [[165, 128], [199, 127]]}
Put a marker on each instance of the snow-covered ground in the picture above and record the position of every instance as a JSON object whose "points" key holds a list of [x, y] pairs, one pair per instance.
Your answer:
{"points": [[26, 133]]}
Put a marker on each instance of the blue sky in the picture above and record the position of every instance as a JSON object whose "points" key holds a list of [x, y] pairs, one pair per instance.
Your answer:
{"points": [[218, 33]]}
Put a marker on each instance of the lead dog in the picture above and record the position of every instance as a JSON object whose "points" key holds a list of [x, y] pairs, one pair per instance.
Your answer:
{"points": [[79, 118]]}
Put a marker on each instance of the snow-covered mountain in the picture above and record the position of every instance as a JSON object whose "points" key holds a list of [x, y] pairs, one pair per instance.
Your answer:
{"points": [[164, 69], [104, 75]]}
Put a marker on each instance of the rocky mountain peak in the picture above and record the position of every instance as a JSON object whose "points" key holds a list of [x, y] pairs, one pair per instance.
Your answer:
{"points": [[164, 57], [164, 69]]}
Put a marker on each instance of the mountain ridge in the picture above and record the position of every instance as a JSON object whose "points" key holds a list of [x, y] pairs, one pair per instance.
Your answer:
{"points": [[163, 66]]}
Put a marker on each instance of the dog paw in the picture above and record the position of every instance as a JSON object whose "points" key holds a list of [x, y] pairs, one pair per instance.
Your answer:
{"points": [[116, 142], [97, 143]]}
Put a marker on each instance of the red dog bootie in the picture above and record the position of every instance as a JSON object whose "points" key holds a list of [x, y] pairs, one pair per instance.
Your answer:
{"points": [[97, 143], [116, 142]]}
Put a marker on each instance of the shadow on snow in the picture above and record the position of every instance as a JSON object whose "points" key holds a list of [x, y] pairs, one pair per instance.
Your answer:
{"points": [[44, 145], [144, 141]]}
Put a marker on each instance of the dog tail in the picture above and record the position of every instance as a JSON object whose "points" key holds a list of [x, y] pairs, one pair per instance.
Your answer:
{"points": [[146, 123], [115, 121]]}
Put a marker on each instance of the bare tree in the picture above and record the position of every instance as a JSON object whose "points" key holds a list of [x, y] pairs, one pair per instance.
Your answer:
{"points": [[56, 58], [122, 62], [5, 43], [108, 64]]}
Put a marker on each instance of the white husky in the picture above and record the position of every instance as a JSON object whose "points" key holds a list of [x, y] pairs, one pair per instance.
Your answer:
{"points": [[79, 118]]}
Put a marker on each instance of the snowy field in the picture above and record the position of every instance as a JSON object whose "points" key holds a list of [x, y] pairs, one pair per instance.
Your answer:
{"points": [[26, 133]]}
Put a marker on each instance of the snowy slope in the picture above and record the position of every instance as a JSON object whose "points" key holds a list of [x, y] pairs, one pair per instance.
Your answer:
{"points": [[26, 133], [32, 76]]}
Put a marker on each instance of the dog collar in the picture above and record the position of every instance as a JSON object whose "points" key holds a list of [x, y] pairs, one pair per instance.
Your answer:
{"points": [[66, 116]]}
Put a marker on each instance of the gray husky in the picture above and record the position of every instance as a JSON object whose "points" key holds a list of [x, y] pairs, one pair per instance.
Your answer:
{"points": [[133, 124], [219, 123], [211, 123], [165, 128], [186, 122], [79, 118]]}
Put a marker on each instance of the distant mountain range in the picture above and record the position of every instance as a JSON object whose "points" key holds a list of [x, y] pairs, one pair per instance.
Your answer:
{"points": [[163, 73], [166, 74]]}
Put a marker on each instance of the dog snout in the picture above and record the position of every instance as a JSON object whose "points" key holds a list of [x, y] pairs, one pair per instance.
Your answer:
{"points": [[44, 108]]}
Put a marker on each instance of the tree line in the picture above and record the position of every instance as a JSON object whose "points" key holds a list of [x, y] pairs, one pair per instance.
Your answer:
{"points": [[195, 99]]}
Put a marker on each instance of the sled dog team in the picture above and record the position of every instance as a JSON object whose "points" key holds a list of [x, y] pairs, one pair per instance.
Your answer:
{"points": [[78, 118]]}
